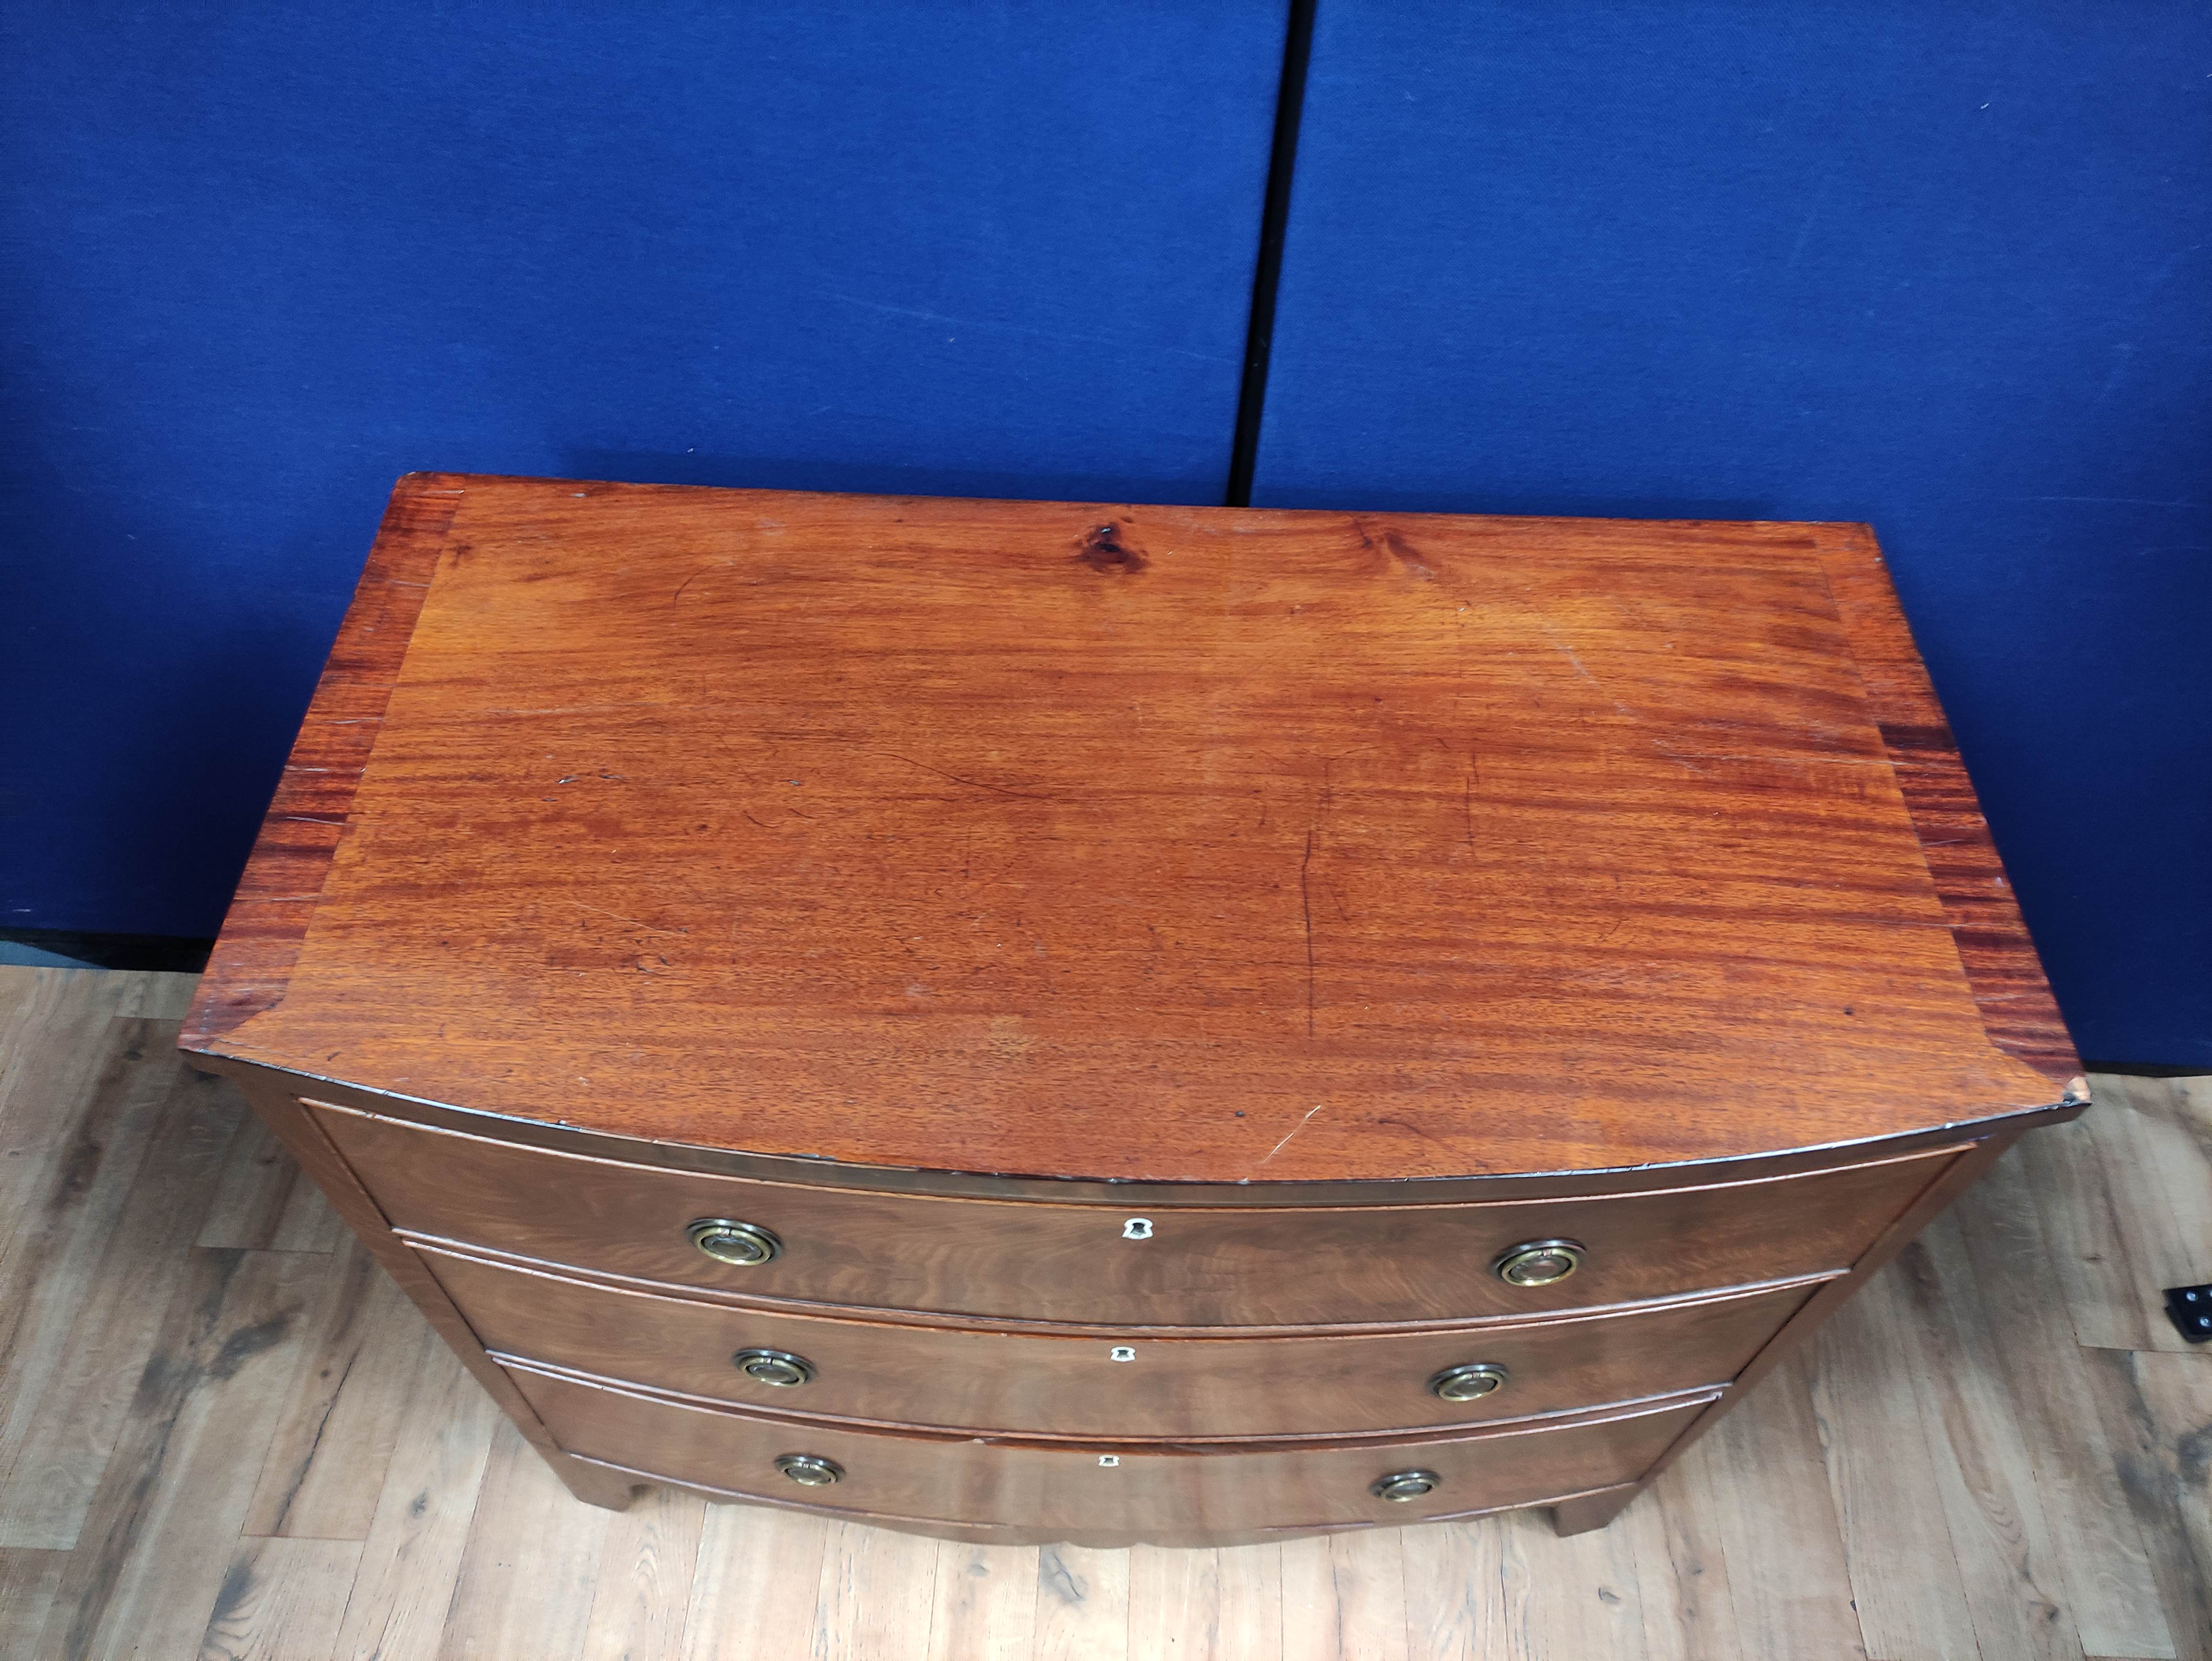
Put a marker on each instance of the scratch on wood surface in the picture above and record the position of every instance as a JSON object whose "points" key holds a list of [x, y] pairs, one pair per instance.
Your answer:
{"points": [[1791, 760], [718, 565], [1294, 1130], [1569, 653], [1678, 757], [978, 784], [583, 708], [1305, 906], [632, 921]]}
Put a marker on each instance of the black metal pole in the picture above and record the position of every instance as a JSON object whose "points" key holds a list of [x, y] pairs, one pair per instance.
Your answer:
{"points": [[1267, 273]]}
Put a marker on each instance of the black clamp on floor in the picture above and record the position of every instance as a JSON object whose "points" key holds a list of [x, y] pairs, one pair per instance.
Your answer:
{"points": [[2190, 1309]]}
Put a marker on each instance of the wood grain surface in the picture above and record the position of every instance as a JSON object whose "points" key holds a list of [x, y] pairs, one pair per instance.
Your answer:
{"points": [[1135, 843], [1973, 1458], [1198, 1266], [1028, 1493], [1214, 1387], [277, 897], [2018, 1010]]}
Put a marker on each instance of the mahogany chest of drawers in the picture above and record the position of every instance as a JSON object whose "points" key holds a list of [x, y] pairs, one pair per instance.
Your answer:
{"points": [[1029, 1021]]}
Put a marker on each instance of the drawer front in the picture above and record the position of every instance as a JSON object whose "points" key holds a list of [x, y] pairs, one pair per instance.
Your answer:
{"points": [[1143, 1493], [1100, 1265], [1055, 1385]]}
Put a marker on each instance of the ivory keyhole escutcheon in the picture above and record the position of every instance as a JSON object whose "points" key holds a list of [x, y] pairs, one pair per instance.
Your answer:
{"points": [[1136, 1228]]}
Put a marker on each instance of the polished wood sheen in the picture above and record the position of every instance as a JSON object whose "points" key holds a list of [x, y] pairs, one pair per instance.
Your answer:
{"points": [[1217, 939], [1198, 1266], [1180, 843], [1068, 1492], [1088, 1385]]}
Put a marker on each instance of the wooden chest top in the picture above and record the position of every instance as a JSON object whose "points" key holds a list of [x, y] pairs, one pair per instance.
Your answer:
{"points": [[1158, 843]]}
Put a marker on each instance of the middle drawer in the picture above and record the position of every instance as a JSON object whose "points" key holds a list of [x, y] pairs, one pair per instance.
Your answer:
{"points": [[1105, 1387]]}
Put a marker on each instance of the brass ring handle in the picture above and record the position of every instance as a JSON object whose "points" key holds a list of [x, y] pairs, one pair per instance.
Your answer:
{"points": [[1469, 1382], [1404, 1485], [778, 1367], [1539, 1262], [747, 1245], [810, 1470]]}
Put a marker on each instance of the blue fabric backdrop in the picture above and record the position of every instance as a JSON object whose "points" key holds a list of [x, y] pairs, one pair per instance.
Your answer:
{"points": [[258, 260], [1946, 268]]}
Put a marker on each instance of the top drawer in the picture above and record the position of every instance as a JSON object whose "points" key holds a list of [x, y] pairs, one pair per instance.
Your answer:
{"points": [[1106, 1265]]}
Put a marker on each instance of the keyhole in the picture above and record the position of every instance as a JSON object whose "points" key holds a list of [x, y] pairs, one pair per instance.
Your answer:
{"points": [[1136, 1228], [1109, 1460], [1120, 1353]]}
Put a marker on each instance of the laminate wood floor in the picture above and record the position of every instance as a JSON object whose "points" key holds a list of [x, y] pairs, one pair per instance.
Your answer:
{"points": [[224, 1433]]}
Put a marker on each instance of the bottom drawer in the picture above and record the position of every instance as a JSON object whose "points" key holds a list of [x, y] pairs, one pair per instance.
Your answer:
{"points": [[1143, 1491]]}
